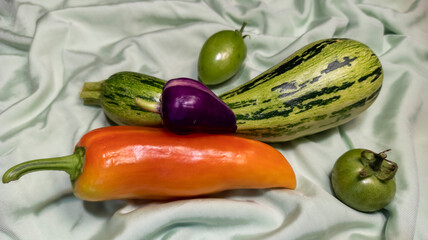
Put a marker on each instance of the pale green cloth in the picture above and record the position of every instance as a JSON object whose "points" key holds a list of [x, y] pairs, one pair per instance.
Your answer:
{"points": [[49, 48]]}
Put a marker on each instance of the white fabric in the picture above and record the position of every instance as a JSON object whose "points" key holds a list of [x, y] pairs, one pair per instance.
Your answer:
{"points": [[49, 48]]}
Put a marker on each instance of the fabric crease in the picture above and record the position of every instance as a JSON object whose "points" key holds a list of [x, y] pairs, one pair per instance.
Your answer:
{"points": [[49, 49]]}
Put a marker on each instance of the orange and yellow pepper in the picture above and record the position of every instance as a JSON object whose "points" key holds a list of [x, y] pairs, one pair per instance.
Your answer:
{"points": [[127, 162]]}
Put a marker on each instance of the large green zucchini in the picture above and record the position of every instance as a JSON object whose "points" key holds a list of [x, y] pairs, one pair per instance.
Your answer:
{"points": [[322, 85]]}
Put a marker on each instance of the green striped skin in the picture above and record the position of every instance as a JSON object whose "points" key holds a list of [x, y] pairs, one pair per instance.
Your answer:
{"points": [[321, 86], [118, 98]]}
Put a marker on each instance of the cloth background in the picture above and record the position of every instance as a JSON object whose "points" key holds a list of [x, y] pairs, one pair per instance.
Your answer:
{"points": [[49, 48]]}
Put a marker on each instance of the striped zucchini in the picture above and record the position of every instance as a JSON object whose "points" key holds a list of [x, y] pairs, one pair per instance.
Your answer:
{"points": [[322, 85], [117, 94]]}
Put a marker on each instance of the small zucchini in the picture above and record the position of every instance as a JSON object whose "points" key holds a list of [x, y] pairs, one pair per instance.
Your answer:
{"points": [[117, 95]]}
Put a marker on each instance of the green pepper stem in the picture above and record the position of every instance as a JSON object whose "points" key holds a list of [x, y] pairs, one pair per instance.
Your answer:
{"points": [[148, 105], [91, 93], [72, 164]]}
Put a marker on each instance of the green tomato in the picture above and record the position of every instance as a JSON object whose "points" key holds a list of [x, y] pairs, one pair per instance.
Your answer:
{"points": [[221, 56], [364, 180]]}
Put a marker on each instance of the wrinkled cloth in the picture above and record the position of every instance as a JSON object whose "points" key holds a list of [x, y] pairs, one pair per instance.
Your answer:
{"points": [[49, 48]]}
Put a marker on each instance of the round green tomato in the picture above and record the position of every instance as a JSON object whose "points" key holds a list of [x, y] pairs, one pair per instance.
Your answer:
{"points": [[221, 56], [364, 180]]}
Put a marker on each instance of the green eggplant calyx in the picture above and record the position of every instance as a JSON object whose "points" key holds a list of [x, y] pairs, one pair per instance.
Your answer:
{"points": [[91, 93], [71, 164], [377, 164]]}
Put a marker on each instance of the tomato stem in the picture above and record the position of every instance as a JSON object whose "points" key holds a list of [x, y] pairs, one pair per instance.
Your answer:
{"points": [[241, 31], [242, 27], [383, 154], [376, 163], [388, 170], [366, 172]]}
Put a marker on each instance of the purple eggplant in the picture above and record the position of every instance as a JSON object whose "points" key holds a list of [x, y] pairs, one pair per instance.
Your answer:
{"points": [[188, 106]]}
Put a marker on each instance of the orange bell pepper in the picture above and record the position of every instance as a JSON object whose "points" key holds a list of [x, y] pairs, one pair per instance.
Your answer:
{"points": [[126, 162]]}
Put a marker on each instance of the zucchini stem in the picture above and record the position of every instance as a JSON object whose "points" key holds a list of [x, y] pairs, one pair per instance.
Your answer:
{"points": [[91, 93]]}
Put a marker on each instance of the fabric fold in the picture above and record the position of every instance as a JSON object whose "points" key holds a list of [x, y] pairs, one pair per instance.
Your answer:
{"points": [[49, 49]]}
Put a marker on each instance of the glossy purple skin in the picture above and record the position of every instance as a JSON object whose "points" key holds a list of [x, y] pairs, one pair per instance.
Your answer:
{"points": [[189, 106]]}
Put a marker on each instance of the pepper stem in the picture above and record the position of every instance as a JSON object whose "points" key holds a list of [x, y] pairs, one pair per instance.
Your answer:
{"points": [[148, 105], [91, 93], [72, 164]]}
